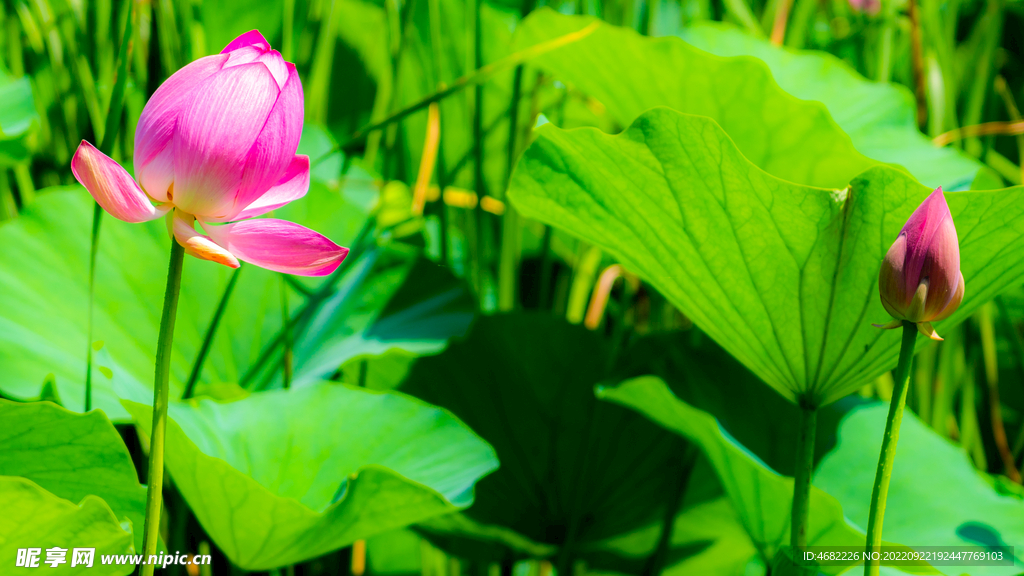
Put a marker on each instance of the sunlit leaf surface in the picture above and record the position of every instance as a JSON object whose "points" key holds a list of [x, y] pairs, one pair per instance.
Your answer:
{"points": [[72, 456], [267, 482], [35, 518]]}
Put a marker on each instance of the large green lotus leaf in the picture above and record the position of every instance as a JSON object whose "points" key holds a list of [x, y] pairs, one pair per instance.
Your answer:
{"points": [[783, 276], [878, 117], [629, 74], [287, 475], [573, 469], [761, 497], [72, 456], [35, 518], [43, 306], [936, 496]]}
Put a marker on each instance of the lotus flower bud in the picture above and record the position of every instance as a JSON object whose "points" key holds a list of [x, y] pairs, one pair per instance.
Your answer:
{"points": [[920, 280]]}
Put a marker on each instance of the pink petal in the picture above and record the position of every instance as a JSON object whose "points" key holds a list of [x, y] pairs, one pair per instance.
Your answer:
{"points": [[932, 251], [250, 38], [292, 186], [953, 303], [156, 124], [891, 281], [942, 268], [195, 244], [243, 55], [112, 186], [157, 175], [274, 149], [281, 70], [271, 59], [214, 137], [919, 229], [279, 245]]}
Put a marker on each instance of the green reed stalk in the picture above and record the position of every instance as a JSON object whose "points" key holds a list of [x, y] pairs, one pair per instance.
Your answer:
{"points": [[441, 171], [508, 251], [211, 331], [113, 121], [8, 208], [480, 259]]}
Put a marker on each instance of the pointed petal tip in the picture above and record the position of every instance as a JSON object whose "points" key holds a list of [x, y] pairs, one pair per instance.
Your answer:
{"points": [[935, 201], [331, 267], [250, 38], [938, 199], [926, 329]]}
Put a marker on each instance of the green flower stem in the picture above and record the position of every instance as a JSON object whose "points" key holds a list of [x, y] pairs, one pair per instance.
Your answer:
{"points": [[160, 399], [883, 474], [802, 479]]}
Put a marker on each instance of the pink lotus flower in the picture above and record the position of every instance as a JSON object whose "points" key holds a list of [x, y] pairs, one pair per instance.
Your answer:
{"points": [[920, 280], [216, 143]]}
